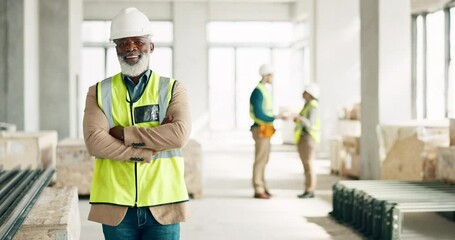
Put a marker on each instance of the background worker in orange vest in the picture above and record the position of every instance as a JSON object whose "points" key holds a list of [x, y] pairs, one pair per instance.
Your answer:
{"points": [[261, 111]]}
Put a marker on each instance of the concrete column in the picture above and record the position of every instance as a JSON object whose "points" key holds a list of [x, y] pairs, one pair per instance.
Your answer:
{"points": [[19, 70], [60, 42], [3, 55], [385, 51], [190, 55]]}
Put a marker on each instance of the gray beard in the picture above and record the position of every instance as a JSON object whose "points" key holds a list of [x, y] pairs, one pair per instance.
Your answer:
{"points": [[136, 69]]}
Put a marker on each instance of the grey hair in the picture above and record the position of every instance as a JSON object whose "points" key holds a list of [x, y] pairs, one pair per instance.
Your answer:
{"points": [[149, 38]]}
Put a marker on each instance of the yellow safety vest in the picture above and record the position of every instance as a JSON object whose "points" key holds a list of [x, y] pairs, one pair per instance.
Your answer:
{"points": [[136, 183], [315, 129], [267, 105]]}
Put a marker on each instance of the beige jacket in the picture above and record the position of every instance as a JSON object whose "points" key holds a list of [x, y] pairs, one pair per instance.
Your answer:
{"points": [[167, 136]]}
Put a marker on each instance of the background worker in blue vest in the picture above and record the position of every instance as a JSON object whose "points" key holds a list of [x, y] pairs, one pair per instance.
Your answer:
{"points": [[307, 136], [135, 123], [261, 111]]}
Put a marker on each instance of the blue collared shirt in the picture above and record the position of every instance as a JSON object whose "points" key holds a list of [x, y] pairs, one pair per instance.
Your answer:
{"points": [[135, 90]]}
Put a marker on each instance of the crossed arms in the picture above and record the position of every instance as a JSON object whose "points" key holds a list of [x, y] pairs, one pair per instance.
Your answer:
{"points": [[174, 134]]}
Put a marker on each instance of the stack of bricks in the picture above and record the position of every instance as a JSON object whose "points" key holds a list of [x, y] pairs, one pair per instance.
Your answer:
{"points": [[28, 149], [74, 165], [193, 168], [445, 168]]}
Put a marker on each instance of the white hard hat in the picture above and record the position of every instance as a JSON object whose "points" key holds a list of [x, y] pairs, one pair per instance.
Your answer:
{"points": [[313, 90], [130, 22], [265, 69]]}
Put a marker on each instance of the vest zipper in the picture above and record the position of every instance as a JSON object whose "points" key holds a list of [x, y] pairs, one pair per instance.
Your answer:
{"points": [[135, 179], [135, 163]]}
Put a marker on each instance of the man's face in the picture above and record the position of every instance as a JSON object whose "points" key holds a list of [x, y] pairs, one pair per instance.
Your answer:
{"points": [[133, 54], [267, 78], [132, 49], [306, 96]]}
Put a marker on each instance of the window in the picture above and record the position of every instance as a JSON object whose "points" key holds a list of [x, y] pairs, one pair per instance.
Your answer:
{"points": [[420, 76], [430, 66], [435, 87], [237, 50], [451, 74], [272, 33]]}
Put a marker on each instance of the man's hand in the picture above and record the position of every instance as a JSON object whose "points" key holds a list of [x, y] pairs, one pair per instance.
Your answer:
{"points": [[168, 119], [117, 132], [282, 116]]}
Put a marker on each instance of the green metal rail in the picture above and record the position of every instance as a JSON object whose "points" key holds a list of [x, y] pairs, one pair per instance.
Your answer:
{"points": [[375, 207], [19, 190]]}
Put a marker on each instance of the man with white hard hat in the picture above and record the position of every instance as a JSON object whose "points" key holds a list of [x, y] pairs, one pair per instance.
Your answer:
{"points": [[307, 136], [136, 132], [261, 112]]}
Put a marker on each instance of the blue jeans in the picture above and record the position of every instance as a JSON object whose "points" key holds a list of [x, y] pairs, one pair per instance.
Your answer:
{"points": [[139, 224]]}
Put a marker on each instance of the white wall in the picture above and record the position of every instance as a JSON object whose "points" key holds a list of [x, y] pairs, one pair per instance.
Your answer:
{"points": [[395, 61], [191, 58], [334, 38], [337, 56]]}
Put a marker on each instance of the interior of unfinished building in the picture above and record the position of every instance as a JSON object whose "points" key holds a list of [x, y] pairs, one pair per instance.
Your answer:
{"points": [[278, 119]]}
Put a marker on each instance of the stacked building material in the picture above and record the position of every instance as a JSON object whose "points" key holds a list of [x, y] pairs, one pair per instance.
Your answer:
{"points": [[408, 151], [345, 146], [7, 127], [74, 165], [193, 168], [375, 208], [28, 149], [19, 190], [54, 216], [445, 167]]}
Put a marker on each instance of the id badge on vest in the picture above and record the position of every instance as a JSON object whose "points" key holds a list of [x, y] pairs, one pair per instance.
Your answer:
{"points": [[148, 113]]}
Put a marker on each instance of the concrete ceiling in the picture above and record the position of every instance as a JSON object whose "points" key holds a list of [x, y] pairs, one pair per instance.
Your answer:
{"points": [[418, 6], [213, 1]]}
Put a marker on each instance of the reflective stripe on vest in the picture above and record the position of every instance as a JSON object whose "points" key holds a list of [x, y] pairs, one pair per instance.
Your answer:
{"points": [[136, 183], [267, 105], [314, 131]]}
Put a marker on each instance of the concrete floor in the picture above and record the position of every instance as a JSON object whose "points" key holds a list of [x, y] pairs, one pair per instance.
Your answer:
{"points": [[227, 210]]}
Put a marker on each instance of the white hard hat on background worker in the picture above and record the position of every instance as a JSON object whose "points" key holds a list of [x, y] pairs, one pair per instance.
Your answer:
{"points": [[130, 22], [313, 90], [265, 69]]}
